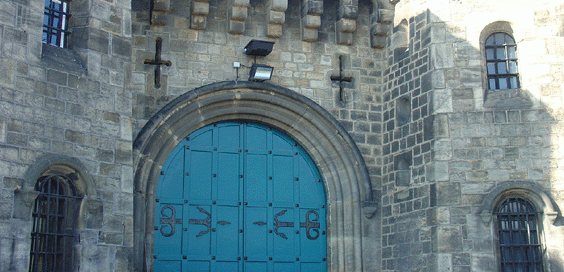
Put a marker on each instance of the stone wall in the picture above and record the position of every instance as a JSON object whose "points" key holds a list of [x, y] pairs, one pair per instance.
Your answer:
{"points": [[437, 144], [407, 138], [72, 103], [482, 142]]}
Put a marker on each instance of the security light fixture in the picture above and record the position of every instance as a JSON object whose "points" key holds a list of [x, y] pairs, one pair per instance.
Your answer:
{"points": [[260, 72], [258, 48]]}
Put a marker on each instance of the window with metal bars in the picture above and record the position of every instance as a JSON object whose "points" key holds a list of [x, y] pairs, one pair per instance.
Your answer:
{"points": [[501, 62], [54, 219], [55, 22], [518, 231]]}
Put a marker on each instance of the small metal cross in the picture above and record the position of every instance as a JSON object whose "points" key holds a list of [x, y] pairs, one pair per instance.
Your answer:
{"points": [[158, 62], [341, 79]]}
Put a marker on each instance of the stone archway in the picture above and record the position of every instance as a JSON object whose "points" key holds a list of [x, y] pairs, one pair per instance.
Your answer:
{"points": [[324, 139]]}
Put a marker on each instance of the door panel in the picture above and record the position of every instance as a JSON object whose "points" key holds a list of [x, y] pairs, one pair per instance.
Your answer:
{"points": [[239, 197]]}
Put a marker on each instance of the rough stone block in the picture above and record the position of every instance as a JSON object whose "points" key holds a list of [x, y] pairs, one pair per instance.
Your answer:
{"points": [[159, 19], [276, 17], [198, 22], [309, 35], [312, 7], [385, 16], [200, 8], [442, 100], [345, 38], [240, 3], [449, 239], [121, 47], [236, 27], [377, 41], [161, 5], [95, 258], [98, 40], [7, 70], [238, 13], [348, 11], [346, 25], [123, 263], [448, 193], [440, 126], [274, 30], [312, 21], [379, 29], [93, 211], [278, 5]]}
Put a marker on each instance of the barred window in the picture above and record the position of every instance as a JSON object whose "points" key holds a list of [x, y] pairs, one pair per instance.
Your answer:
{"points": [[54, 221], [55, 22], [518, 229], [501, 61]]}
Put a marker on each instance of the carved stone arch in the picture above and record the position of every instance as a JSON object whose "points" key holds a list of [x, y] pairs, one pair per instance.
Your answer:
{"points": [[54, 164], [62, 165], [336, 155], [530, 191]]}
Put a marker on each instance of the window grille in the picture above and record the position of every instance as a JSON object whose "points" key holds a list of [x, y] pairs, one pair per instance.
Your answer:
{"points": [[520, 249], [55, 22], [54, 217], [501, 62]]}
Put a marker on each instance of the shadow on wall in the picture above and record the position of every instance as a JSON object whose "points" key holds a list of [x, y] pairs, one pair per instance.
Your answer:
{"points": [[482, 138]]}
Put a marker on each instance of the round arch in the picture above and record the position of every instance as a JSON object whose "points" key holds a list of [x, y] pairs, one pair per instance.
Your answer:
{"points": [[528, 190], [332, 149]]}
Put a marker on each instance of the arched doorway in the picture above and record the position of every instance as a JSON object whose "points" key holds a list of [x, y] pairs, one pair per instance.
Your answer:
{"points": [[239, 196], [336, 156]]}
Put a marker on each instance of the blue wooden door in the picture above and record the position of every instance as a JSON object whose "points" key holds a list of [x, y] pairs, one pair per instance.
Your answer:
{"points": [[239, 197]]}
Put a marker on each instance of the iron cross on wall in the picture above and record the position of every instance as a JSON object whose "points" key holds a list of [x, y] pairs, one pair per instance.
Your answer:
{"points": [[341, 79], [158, 62]]}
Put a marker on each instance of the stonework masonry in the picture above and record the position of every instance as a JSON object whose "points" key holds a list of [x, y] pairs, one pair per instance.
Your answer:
{"points": [[416, 152]]}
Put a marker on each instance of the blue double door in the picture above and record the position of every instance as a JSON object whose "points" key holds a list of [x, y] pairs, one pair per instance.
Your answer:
{"points": [[239, 197]]}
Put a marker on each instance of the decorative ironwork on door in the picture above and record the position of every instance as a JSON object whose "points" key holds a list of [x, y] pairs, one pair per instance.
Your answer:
{"points": [[245, 197]]}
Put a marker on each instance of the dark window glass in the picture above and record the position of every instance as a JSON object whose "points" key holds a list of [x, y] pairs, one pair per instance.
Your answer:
{"points": [[501, 62], [519, 236], [54, 218], [55, 22]]}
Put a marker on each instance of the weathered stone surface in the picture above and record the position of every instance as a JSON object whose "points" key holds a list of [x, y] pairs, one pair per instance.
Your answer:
{"points": [[464, 142]]}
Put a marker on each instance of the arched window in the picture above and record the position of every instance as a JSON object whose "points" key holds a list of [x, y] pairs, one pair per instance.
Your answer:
{"points": [[54, 221], [501, 61], [518, 233]]}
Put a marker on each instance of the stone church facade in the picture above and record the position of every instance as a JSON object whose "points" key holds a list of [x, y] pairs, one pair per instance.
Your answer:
{"points": [[436, 128]]}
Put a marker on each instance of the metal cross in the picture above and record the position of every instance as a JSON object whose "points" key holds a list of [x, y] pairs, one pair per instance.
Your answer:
{"points": [[341, 79], [158, 62]]}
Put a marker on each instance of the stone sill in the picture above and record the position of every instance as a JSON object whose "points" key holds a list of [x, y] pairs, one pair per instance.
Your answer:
{"points": [[507, 99], [62, 59]]}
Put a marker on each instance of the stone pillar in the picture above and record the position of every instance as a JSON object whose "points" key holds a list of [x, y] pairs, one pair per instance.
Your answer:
{"points": [[348, 13], [237, 15], [276, 17], [200, 11], [311, 19]]}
